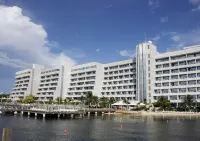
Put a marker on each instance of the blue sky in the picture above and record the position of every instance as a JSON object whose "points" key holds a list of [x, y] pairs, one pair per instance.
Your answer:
{"points": [[80, 31]]}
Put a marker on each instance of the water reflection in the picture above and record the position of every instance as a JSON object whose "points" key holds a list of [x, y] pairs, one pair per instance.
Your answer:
{"points": [[104, 128]]}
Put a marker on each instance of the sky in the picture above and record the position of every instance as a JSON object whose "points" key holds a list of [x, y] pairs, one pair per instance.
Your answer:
{"points": [[53, 32]]}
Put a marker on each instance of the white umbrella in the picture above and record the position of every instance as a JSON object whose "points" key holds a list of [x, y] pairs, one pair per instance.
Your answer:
{"points": [[119, 103], [142, 104], [133, 103], [76, 101]]}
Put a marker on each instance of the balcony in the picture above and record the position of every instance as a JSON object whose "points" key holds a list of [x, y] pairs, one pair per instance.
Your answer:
{"points": [[158, 66], [192, 69], [182, 63], [174, 90], [178, 57], [191, 82], [183, 76], [174, 77], [158, 85], [193, 89], [183, 90], [191, 62], [165, 91], [183, 83], [175, 71], [174, 65]]}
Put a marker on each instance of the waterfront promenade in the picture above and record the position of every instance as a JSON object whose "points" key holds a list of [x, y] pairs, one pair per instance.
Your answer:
{"points": [[158, 113], [47, 110]]}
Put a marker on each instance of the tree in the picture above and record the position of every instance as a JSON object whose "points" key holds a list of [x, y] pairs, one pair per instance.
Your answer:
{"points": [[82, 98], [163, 103], [50, 101], [67, 100], [59, 100], [89, 97], [104, 102], [4, 95], [95, 101], [29, 99], [188, 102], [112, 100], [126, 101]]}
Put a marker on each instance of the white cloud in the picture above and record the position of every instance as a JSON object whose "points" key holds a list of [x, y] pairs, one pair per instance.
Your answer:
{"points": [[16, 63], [162, 35], [25, 42], [185, 39], [167, 33], [196, 3], [127, 53], [164, 19], [175, 38], [156, 38], [196, 9], [97, 50], [153, 4], [191, 37]]}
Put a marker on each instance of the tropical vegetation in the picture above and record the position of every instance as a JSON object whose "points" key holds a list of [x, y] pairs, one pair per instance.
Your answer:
{"points": [[163, 103], [188, 103], [29, 99]]}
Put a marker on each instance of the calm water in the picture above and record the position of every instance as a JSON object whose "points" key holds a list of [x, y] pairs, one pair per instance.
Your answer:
{"points": [[106, 128]]}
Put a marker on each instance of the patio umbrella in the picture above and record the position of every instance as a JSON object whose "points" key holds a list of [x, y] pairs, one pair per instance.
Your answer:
{"points": [[119, 103], [142, 104]]}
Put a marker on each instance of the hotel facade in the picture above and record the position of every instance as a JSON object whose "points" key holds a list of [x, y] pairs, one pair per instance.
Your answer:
{"points": [[144, 78]]}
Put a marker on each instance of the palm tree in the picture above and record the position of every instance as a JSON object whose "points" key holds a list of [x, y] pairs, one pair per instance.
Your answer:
{"points": [[95, 100], [50, 101], [188, 102], [104, 101], [59, 100], [126, 101], [111, 101], [163, 103], [66, 101], [89, 97], [82, 98]]}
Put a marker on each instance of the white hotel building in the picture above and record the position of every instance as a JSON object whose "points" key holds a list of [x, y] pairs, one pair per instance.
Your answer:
{"points": [[144, 78]]}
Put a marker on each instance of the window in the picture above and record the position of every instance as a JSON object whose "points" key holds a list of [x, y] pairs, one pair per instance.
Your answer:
{"points": [[174, 77], [165, 65], [165, 91], [149, 81], [165, 84], [174, 83], [166, 72], [149, 88], [183, 90], [166, 78], [192, 82], [149, 62], [192, 69], [148, 55], [192, 75], [149, 74], [149, 69], [183, 83], [182, 63]]}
